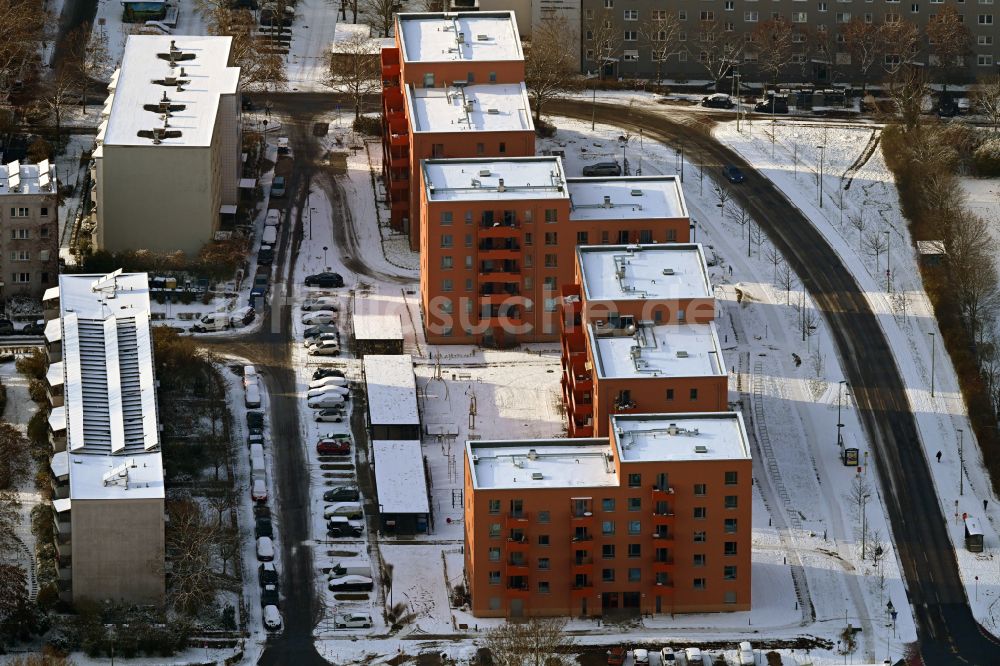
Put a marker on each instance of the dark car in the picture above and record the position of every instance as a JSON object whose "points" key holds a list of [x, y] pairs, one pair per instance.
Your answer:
{"points": [[262, 528], [267, 574], [255, 419], [947, 107], [318, 330], [772, 105], [258, 297], [34, 328], [278, 187], [338, 526], [603, 169], [6, 327], [326, 280], [732, 174], [327, 372], [333, 447], [265, 256], [717, 101], [341, 494], [269, 595], [262, 511]]}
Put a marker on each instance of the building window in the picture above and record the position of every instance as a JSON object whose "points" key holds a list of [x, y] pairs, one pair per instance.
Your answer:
{"points": [[729, 526], [729, 597], [750, 17], [429, 80], [543, 539], [494, 578], [581, 237], [694, 391], [19, 234], [699, 559], [682, 15], [700, 513], [635, 504], [700, 489], [608, 551], [446, 218], [446, 306], [44, 231], [608, 575], [699, 537], [544, 517], [551, 215], [635, 527], [18, 212], [468, 240], [528, 238], [984, 40], [707, 16], [543, 587], [493, 77], [44, 211], [608, 504], [447, 285], [631, 14], [20, 255], [635, 550], [494, 530], [984, 59], [699, 583], [635, 480], [729, 572], [503, 148], [634, 575], [494, 506], [552, 238], [729, 548], [609, 4], [543, 563], [447, 240], [607, 527], [480, 148], [21, 278], [494, 554], [45, 278], [986, 19], [468, 287], [731, 501], [630, 35], [551, 260], [468, 261], [437, 150], [731, 478], [446, 262], [914, 8], [670, 392], [800, 17], [471, 77]]}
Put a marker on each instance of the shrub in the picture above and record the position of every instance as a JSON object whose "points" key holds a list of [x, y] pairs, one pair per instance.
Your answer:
{"points": [[986, 158], [38, 429], [544, 129], [372, 126], [33, 365], [3, 399], [773, 658], [37, 391]]}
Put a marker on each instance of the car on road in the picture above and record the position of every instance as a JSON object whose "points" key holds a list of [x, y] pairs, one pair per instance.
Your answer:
{"points": [[269, 595], [278, 187], [333, 447], [265, 549], [267, 574], [273, 218], [325, 280], [262, 528], [34, 328], [329, 415], [258, 491], [352, 621], [320, 303], [773, 104], [265, 255], [350, 583], [250, 376], [316, 331], [718, 101], [283, 147], [252, 399], [339, 526], [733, 174], [325, 348], [272, 618], [320, 317], [323, 382], [326, 401], [261, 511], [341, 494], [255, 419], [668, 657], [640, 656], [242, 316], [603, 169]]}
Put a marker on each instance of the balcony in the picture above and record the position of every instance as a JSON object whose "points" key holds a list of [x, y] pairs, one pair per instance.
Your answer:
{"points": [[517, 567], [400, 140], [517, 520], [518, 589], [399, 183], [499, 252], [582, 519], [663, 535], [666, 518], [581, 406], [583, 537], [661, 493], [665, 565], [629, 407], [582, 566], [389, 61], [582, 381], [581, 589], [499, 230], [581, 429]]}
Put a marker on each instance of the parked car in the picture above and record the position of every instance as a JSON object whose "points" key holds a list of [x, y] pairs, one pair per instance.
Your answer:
{"points": [[325, 280], [273, 218], [350, 510], [313, 341], [326, 401], [34, 328], [278, 187], [733, 174], [272, 618], [603, 169], [640, 656], [350, 568], [668, 657], [258, 297], [269, 595], [215, 321], [265, 549], [746, 654], [255, 419], [316, 331], [341, 494], [320, 317], [267, 574], [772, 104], [351, 583], [329, 415], [250, 376], [333, 447], [262, 528], [261, 511], [616, 656], [323, 390], [352, 621], [327, 372], [339, 526], [325, 348], [693, 656], [320, 303], [258, 491], [718, 101], [947, 106], [323, 382], [265, 255], [242, 316], [252, 399]]}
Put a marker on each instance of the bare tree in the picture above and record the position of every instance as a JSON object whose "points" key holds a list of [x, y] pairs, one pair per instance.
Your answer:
{"points": [[756, 236], [550, 62], [858, 495], [773, 41], [773, 255], [228, 547], [604, 40], [876, 243], [58, 94], [970, 249], [864, 43], [901, 42], [14, 462], [13, 590], [719, 49], [859, 222], [786, 280], [193, 543], [88, 58], [261, 67], [222, 503], [23, 24], [536, 642], [662, 35], [950, 43], [354, 70], [10, 518], [382, 13], [739, 215], [987, 99], [722, 195], [907, 88]]}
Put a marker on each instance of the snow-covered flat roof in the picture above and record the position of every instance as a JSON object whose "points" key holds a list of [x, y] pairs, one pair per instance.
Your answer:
{"points": [[489, 107], [626, 198], [17, 178], [392, 389], [107, 477], [201, 74], [377, 327], [665, 271], [686, 350], [399, 477], [490, 179], [547, 463], [460, 36], [680, 437]]}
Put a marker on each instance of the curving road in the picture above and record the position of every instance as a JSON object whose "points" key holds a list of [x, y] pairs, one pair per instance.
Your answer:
{"points": [[948, 633]]}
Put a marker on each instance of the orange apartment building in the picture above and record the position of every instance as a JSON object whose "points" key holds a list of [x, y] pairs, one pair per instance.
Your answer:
{"points": [[498, 240], [655, 518], [436, 55], [638, 335]]}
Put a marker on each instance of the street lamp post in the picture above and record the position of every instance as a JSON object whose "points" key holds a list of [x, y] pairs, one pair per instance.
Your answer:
{"points": [[694, 227], [933, 351], [822, 152], [961, 464], [887, 260], [840, 393], [325, 266]]}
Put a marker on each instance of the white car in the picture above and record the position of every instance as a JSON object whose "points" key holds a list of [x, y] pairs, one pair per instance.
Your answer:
{"points": [[350, 583], [328, 381], [322, 337], [330, 415], [746, 654], [668, 657], [325, 348], [252, 398], [352, 621], [320, 317], [250, 376], [640, 656], [326, 401], [338, 390], [320, 303], [265, 549], [349, 510], [258, 491], [273, 218], [693, 656], [272, 618]]}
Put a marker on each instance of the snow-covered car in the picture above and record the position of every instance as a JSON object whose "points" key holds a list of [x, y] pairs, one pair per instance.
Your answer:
{"points": [[316, 331], [333, 447], [313, 341], [330, 415], [325, 348], [328, 381], [242, 316], [351, 583], [323, 390], [258, 491], [350, 510], [340, 527], [320, 303], [265, 549], [320, 373], [326, 401], [693, 656], [249, 375], [352, 621], [668, 657], [640, 656], [252, 399], [272, 618], [746, 654], [320, 317], [717, 101]]}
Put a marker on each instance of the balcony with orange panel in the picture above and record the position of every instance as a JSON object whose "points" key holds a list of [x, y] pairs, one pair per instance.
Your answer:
{"points": [[499, 293], [663, 565], [580, 428], [581, 587], [390, 64], [516, 567], [582, 566], [517, 520], [499, 249], [490, 227], [517, 586]]}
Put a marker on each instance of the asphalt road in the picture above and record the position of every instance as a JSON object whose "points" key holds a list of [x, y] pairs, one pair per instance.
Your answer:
{"points": [[947, 631]]}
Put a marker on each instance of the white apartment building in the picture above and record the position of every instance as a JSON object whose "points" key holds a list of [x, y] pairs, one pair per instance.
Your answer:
{"points": [[167, 162]]}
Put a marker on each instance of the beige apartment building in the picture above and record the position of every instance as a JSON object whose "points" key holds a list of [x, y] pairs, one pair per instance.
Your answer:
{"points": [[108, 492], [167, 162], [815, 22], [29, 229]]}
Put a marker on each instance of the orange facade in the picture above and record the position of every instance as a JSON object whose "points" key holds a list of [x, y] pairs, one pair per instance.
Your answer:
{"points": [[667, 537]]}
